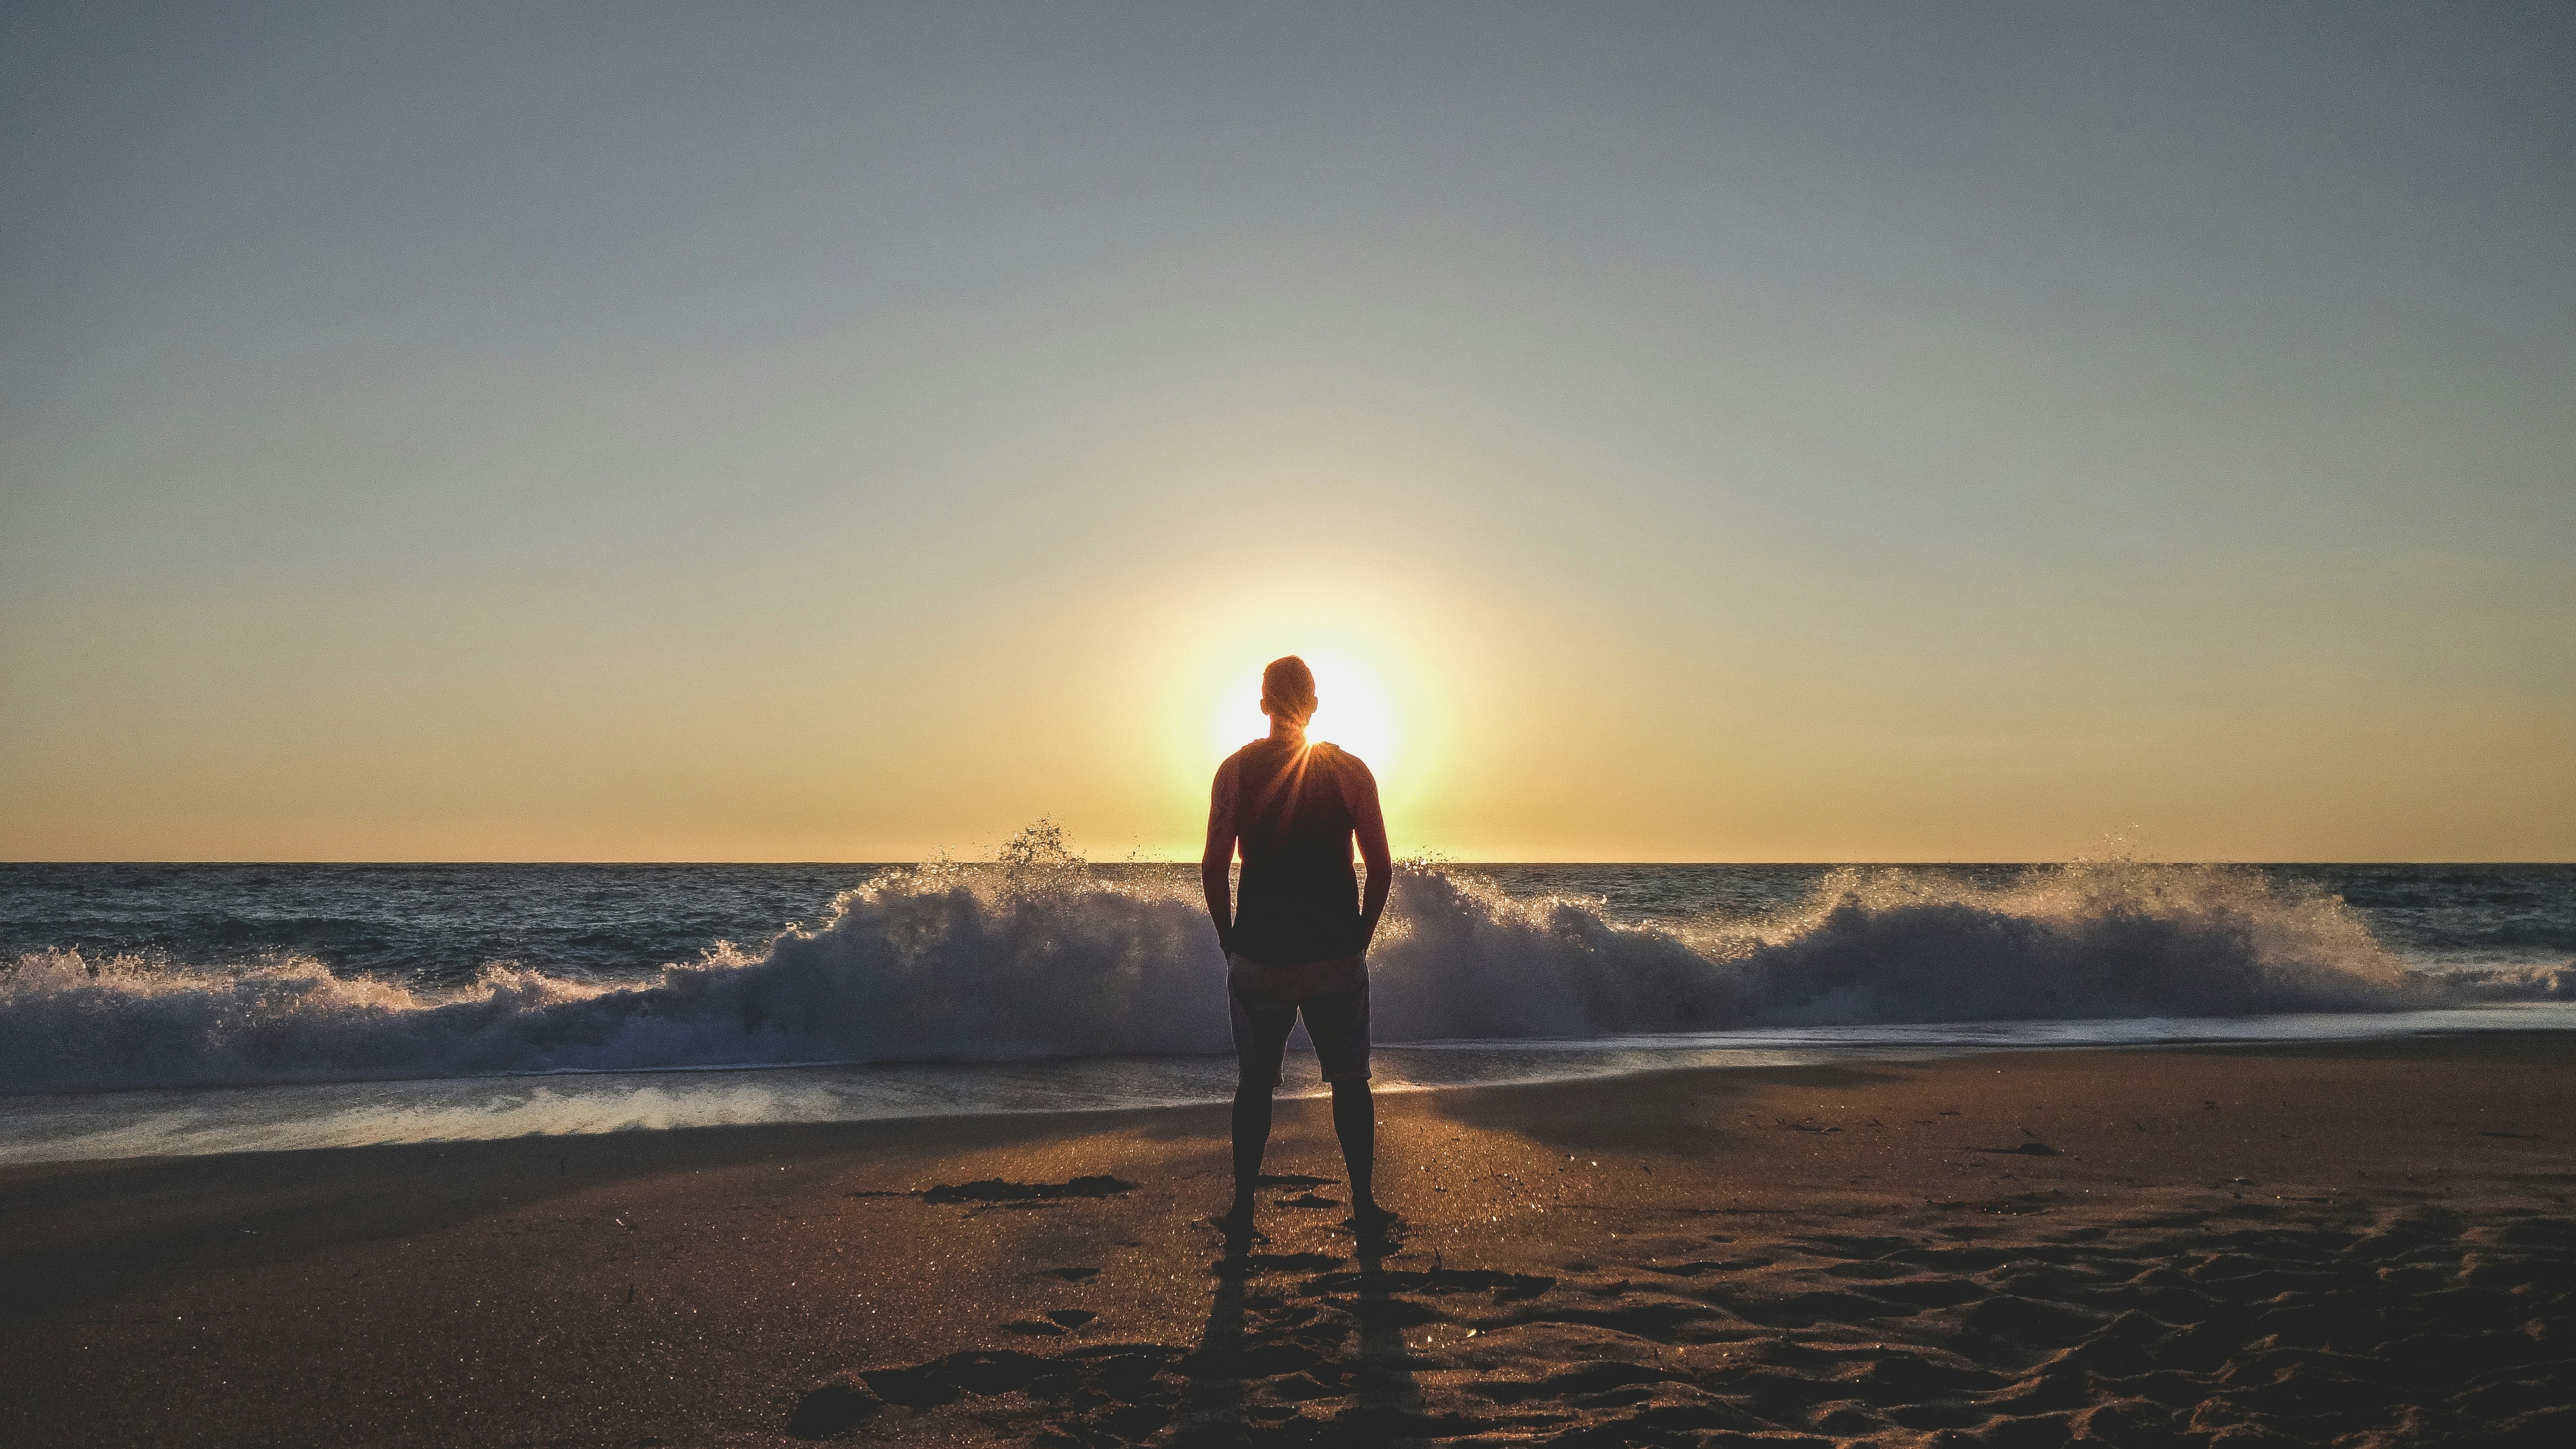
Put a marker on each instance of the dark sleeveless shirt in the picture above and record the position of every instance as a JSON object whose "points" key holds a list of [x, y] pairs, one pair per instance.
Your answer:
{"points": [[1299, 900]]}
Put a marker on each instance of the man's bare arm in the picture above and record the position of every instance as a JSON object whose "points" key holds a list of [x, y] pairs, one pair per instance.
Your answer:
{"points": [[1369, 823], [1216, 861]]}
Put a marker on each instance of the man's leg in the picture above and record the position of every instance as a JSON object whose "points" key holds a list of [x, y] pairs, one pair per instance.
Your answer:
{"points": [[1260, 1040], [1355, 1123], [1251, 1137], [1340, 1026]]}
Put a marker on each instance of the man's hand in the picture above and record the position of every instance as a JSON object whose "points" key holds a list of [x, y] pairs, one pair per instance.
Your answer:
{"points": [[1369, 823], [1216, 861]]}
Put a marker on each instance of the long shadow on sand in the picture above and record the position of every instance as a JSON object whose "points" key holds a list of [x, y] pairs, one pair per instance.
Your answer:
{"points": [[1333, 1369]]}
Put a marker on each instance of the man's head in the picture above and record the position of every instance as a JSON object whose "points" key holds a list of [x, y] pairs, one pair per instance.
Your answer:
{"points": [[1288, 690]]}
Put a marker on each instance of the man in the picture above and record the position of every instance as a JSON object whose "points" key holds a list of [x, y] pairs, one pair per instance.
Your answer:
{"points": [[1297, 941]]}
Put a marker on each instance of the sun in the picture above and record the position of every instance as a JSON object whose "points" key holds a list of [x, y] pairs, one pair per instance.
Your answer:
{"points": [[1351, 711], [1381, 680]]}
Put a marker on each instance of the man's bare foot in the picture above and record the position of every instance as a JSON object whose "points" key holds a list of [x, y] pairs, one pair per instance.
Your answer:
{"points": [[1236, 1221]]}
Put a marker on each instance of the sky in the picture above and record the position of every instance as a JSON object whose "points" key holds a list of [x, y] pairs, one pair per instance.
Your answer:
{"points": [[1690, 432]]}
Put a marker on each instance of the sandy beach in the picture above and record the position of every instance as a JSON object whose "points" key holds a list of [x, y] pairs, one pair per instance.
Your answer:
{"points": [[2360, 1244]]}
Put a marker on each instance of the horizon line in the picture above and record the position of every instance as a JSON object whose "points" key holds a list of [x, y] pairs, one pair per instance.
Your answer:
{"points": [[1400, 860]]}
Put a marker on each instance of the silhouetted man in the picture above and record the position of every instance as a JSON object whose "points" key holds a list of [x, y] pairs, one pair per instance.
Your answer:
{"points": [[1297, 941]]}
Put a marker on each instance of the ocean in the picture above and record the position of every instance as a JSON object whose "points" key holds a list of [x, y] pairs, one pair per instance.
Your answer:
{"points": [[150, 1009]]}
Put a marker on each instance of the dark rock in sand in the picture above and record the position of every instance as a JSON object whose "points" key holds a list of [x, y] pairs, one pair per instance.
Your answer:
{"points": [[994, 1189]]}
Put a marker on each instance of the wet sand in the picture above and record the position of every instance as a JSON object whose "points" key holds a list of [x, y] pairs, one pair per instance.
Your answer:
{"points": [[2360, 1244]]}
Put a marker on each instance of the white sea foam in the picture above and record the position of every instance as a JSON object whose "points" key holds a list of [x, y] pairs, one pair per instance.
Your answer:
{"points": [[1039, 957]]}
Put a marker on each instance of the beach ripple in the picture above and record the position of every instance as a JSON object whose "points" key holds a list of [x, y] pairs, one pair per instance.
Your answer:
{"points": [[2407, 1324]]}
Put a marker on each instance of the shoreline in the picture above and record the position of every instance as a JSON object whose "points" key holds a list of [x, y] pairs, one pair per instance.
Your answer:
{"points": [[238, 1117], [1833, 1253]]}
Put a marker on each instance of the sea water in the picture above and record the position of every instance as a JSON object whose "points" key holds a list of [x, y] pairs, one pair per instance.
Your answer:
{"points": [[202, 1008]]}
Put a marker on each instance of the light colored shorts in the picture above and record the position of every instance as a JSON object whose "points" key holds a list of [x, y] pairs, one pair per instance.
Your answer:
{"points": [[1267, 1000]]}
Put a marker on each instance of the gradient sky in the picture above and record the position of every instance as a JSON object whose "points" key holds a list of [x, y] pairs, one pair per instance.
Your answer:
{"points": [[1717, 432]]}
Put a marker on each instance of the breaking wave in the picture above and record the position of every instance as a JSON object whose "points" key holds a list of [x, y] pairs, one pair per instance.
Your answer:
{"points": [[1037, 956]]}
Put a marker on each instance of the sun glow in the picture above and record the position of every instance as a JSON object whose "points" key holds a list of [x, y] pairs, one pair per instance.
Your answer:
{"points": [[1352, 711], [1384, 659]]}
